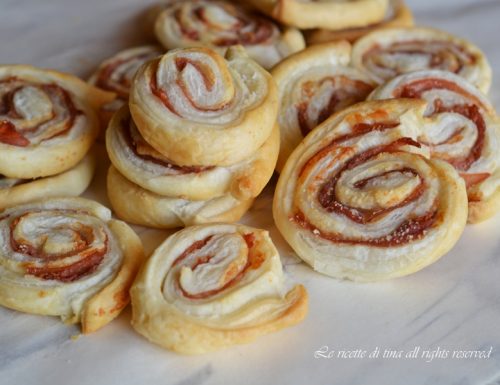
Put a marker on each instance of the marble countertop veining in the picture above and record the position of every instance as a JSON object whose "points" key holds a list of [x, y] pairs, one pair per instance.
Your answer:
{"points": [[453, 304]]}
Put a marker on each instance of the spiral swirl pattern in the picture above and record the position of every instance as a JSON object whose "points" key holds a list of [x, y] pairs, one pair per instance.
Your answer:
{"points": [[47, 121], [317, 99], [355, 203], [74, 249], [461, 127], [221, 283], [220, 24], [387, 53], [313, 84], [192, 97], [57, 254], [116, 73], [179, 78], [31, 112]]}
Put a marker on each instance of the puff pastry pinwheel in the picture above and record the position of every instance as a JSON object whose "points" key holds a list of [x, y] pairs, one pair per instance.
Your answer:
{"points": [[136, 205], [461, 128], [48, 121], [116, 73], [312, 85], [146, 167], [198, 108], [209, 287], [220, 24], [386, 53], [397, 15], [360, 199], [66, 257], [72, 182], [328, 14]]}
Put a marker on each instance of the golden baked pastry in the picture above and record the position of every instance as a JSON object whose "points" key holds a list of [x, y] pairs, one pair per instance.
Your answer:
{"points": [[196, 107], [73, 182], [146, 167], [312, 85], [116, 73], [66, 257], [220, 24], [386, 53], [136, 205], [397, 15], [48, 121], [360, 199], [209, 287], [461, 127], [328, 14]]}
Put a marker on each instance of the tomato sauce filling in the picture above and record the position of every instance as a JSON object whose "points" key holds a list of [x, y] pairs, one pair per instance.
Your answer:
{"points": [[10, 134], [472, 112], [410, 230], [346, 92], [106, 73], [254, 261], [126, 129], [89, 260], [208, 79]]}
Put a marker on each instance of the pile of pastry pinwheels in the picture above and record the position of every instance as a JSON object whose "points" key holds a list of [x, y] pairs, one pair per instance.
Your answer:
{"points": [[382, 134]]}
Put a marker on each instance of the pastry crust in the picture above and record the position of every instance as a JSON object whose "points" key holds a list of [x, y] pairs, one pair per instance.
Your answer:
{"points": [[461, 127], [142, 207], [360, 199], [389, 52], [246, 297], [89, 261], [50, 124], [328, 14], [144, 166], [73, 182], [116, 73], [197, 108], [312, 85], [220, 24], [398, 14], [107, 304], [480, 211]]}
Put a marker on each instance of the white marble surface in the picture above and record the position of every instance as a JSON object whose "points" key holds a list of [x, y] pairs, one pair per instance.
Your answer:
{"points": [[454, 304]]}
